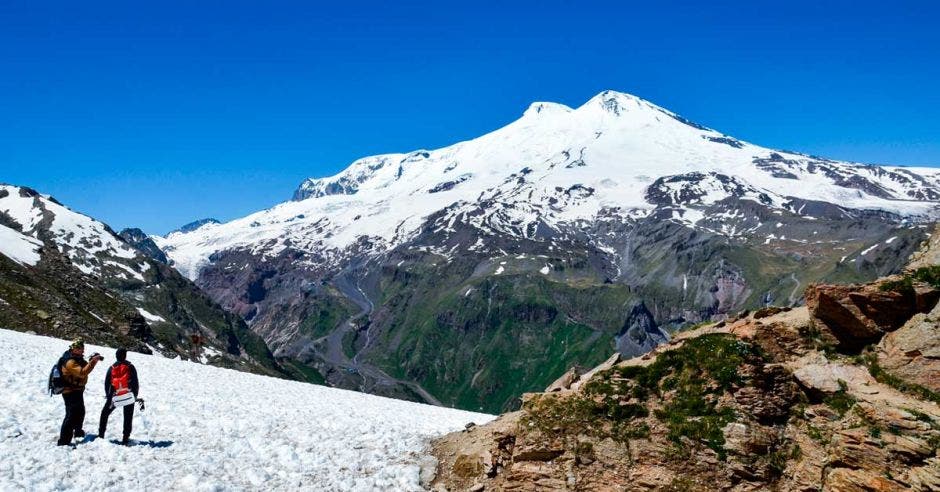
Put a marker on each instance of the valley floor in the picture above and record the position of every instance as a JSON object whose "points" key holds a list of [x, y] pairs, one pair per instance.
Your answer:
{"points": [[206, 428]]}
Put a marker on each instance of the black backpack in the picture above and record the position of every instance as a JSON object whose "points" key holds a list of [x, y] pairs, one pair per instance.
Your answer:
{"points": [[56, 378]]}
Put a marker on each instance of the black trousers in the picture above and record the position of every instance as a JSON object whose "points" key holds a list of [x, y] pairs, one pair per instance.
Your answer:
{"points": [[106, 412], [74, 416]]}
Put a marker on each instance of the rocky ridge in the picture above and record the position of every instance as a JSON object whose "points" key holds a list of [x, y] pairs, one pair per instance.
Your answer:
{"points": [[839, 395]]}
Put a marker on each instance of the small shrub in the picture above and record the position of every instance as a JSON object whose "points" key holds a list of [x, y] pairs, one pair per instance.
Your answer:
{"points": [[903, 286], [796, 453], [777, 462], [840, 401], [870, 360], [815, 433], [929, 275]]}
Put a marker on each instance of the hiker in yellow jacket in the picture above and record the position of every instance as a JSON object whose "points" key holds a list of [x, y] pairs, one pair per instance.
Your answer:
{"points": [[75, 371]]}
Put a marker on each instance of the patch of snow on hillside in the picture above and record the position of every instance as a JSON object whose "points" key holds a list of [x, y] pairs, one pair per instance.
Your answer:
{"points": [[19, 248], [867, 250], [153, 318], [208, 428]]}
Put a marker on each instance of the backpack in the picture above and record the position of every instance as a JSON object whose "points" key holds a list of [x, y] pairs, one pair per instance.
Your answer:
{"points": [[57, 382], [120, 381]]}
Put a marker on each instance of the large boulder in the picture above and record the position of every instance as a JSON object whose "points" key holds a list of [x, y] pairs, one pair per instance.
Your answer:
{"points": [[820, 378], [860, 314], [913, 351]]}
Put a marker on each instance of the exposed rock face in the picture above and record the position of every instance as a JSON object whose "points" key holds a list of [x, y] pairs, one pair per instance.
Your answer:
{"points": [[196, 224], [746, 404], [913, 351], [142, 242], [928, 254], [639, 333], [857, 315]]}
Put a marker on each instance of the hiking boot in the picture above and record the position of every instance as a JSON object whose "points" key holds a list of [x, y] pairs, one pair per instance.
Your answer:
{"points": [[125, 441]]}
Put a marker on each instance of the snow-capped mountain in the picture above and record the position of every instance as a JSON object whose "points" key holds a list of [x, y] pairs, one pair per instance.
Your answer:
{"points": [[570, 229], [208, 428], [553, 167], [64, 273], [90, 246]]}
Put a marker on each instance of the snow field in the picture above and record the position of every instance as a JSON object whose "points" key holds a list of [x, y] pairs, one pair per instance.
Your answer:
{"points": [[210, 429]]}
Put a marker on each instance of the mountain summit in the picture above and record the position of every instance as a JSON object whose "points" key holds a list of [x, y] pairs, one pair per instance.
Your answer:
{"points": [[608, 152], [566, 231]]}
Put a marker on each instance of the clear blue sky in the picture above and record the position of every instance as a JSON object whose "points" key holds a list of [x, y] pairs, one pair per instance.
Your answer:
{"points": [[153, 114]]}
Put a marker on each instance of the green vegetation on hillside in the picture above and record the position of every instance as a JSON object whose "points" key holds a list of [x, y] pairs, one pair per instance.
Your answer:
{"points": [[681, 388], [480, 344]]}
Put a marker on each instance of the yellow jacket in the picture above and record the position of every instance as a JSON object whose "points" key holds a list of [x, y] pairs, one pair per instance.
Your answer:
{"points": [[76, 374]]}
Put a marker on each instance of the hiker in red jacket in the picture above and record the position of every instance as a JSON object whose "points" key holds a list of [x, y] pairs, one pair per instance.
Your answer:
{"points": [[120, 389]]}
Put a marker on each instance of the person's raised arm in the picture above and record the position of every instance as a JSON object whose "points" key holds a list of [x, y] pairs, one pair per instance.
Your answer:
{"points": [[90, 366]]}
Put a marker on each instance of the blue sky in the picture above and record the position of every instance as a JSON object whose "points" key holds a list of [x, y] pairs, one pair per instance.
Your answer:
{"points": [[154, 115]]}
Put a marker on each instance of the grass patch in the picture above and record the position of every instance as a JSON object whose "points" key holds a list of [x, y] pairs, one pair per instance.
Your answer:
{"points": [[903, 286], [870, 360], [813, 337], [840, 401], [690, 379], [929, 275]]}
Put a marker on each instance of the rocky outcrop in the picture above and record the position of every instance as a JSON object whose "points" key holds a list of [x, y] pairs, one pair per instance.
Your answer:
{"points": [[928, 254], [912, 352], [752, 403], [143, 243], [860, 314]]}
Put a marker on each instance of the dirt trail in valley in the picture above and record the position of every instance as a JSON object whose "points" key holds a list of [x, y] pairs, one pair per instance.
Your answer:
{"points": [[331, 346]]}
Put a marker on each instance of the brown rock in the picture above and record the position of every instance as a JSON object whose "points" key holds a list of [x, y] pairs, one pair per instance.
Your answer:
{"points": [[848, 480], [860, 314], [468, 465], [772, 394], [805, 474], [767, 311], [533, 475], [651, 477], [907, 449], [564, 382], [853, 448], [913, 351], [745, 440], [927, 477], [536, 453], [820, 377], [607, 364], [929, 253]]}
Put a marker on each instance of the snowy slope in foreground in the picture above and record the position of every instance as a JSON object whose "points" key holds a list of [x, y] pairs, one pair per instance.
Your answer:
{"points": [[207, 428]]}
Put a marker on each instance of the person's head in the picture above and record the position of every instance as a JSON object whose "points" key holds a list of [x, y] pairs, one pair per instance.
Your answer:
{"points": [[78, 346], [121, 354]]}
